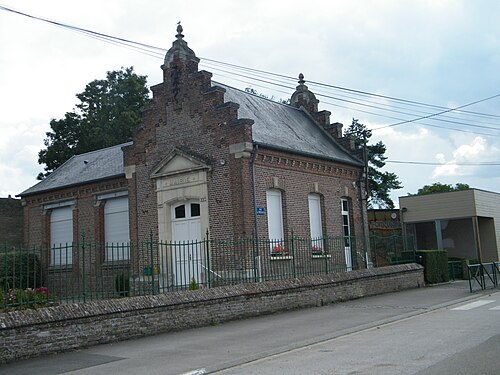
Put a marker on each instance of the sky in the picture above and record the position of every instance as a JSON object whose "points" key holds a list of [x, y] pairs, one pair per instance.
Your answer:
{"points": [[440, 52]]}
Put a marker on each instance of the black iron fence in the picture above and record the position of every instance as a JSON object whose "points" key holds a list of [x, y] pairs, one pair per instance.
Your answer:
{"points": [[87, 271]]}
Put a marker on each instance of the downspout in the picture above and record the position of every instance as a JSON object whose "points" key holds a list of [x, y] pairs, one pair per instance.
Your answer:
{"points": [[256, 226], [254, 193], [361, 199]]}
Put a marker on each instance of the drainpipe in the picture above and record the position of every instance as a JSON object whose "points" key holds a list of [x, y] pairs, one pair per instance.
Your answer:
{"points": [[361, 199], [254, 193], [256, 226]]}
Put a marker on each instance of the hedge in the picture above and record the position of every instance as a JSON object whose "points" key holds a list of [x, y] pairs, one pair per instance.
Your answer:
{"points": [[435, 264], [20, 270]]}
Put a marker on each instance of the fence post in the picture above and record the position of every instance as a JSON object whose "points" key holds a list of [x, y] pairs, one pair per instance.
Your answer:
{"points": [[294, 270], [152, 263], [207, 257], [470, 277], [83, 269]]}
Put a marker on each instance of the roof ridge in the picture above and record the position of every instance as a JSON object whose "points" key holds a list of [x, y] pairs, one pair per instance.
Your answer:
{"points": [[103, 149], [254, 95]]}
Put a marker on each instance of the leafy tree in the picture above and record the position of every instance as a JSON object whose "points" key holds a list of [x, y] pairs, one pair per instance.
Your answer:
{"points": [[438, 187], [379, 183], [105, 116]]}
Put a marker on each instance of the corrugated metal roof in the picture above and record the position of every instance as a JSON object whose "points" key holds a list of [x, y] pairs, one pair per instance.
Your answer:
{"points": [[84, 168], [285, 127]]}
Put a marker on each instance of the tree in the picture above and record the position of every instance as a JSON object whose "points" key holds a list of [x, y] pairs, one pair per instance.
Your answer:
{"points": [[438, 187], [379, 183], [108, 111]]}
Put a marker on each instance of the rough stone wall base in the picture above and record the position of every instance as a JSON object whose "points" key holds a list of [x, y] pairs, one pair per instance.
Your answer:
{"points": [[29, 333]]}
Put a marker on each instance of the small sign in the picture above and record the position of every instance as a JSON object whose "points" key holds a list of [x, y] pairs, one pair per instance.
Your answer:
{"points": [[261, 211]]}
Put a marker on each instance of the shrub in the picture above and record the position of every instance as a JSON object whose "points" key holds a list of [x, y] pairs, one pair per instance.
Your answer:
{"points": [[435, 264], [28, 297], [20, 270], [193, 285], [122, 285]]}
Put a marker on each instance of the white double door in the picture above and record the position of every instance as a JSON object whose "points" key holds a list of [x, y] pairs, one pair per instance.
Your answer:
{"points": [[186, 248]]}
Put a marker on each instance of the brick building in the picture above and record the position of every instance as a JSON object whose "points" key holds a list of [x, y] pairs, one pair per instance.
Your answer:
{"points": [[211, 160]]}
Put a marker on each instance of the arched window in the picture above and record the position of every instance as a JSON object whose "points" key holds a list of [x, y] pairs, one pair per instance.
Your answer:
{"points": [[315, 221], [274, 217]]}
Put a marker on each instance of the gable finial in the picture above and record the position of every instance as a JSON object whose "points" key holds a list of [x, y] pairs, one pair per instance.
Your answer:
{"points": [[301, 79], [179, 31]]}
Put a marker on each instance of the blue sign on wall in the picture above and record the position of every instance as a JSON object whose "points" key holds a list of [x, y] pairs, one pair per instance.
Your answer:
{"points": [[261, 211]]}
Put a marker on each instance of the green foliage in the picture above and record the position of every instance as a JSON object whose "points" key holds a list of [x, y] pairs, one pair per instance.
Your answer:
{"points": [[122, 285], [28, 297], [435, 264], [440, 188], [379, 183], [108, 111], [251, 90], [20, 270], [193, 285]]}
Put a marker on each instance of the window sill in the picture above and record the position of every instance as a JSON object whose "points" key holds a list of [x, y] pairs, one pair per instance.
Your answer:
{"points": [[60, 267], [281, 257], [116, 264], [321, 256]]}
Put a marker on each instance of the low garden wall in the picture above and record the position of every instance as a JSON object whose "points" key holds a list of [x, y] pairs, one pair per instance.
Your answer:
{"points": [[29, 333]]}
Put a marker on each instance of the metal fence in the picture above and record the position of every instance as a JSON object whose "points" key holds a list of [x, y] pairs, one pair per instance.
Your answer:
{"points": [[87, 271], [483, 275]]}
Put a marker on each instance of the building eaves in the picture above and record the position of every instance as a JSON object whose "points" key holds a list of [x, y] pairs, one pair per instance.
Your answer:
{"points": [[81, 169]]}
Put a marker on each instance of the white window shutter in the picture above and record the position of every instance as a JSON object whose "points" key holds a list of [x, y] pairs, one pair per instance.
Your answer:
{"points": [[61, 235]]}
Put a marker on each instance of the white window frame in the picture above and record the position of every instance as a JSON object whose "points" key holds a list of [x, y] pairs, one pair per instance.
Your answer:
{"points": [[61, 233], [315, 222], [117, 246], [275, 230], [346, 231]]}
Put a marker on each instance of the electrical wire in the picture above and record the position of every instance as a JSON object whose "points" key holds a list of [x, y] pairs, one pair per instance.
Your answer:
{"points": [[480, 164], [352, 97]]}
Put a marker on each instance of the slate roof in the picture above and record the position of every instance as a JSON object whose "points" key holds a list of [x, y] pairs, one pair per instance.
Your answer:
{"points": [[84, 168], [276, 125], [284, 127]]}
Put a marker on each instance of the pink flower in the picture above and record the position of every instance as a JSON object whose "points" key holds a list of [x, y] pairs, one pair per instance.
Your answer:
{"points": [[42, 290]]}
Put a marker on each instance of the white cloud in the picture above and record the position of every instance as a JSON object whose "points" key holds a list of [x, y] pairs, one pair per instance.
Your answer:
{"points": [[408, 50], [19, 155], [476, 151], [471, 152]]}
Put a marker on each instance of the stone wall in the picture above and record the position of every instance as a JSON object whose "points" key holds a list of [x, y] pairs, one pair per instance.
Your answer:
{"points": [[29, 333]]}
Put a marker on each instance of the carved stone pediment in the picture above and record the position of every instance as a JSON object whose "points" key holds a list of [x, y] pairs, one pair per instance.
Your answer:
{"points": [[178, 162]]}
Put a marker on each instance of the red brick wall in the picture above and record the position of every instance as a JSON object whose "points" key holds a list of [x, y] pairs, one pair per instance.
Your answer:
{"points": [[188, 114], [297, 177], [87, 215]]}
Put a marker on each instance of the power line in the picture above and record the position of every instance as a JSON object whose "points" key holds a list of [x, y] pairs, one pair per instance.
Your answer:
{"points": [[274, 79], [480, 164], [439, 113]]}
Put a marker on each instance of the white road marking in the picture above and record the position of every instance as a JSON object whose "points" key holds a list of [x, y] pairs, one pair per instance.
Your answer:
{"points": [[495, 308], [200, 371], [475, 304]]}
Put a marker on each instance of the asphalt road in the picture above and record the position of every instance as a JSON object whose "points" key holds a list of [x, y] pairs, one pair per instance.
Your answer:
{"points": [[435, 330]]}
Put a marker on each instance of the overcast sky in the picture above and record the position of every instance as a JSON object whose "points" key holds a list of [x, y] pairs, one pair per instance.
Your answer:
{"points": [[440, 52]]}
